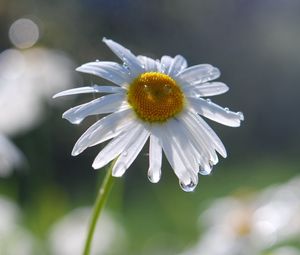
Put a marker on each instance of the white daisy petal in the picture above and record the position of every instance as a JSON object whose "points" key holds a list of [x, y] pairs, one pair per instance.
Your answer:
{"points": [[89, 89], [178, 65], [215, 112], [211, 135], [182, 140], [166, 62], [105, 129], [110, 71], [115, 147], [202, 142], [199, 140], [175, 155], [126, 56], [105, 104], [155, 159], [198, 74], [149, 64], [130, 152], [206, 89]]}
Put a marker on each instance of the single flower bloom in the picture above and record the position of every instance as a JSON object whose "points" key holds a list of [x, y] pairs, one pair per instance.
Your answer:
{"points": [[157, 99]]}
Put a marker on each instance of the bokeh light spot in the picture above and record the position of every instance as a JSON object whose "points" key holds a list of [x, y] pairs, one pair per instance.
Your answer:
{"points": [[23, 33]]}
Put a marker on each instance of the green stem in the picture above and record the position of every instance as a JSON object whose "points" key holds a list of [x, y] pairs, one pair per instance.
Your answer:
{"points": [[99, 204]]}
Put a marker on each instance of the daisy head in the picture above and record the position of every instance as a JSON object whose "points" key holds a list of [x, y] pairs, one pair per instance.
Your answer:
{"points": [[162, 101]]}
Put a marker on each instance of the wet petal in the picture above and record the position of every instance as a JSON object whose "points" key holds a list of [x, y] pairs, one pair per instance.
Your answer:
{"points": [[208, 131], [126, 56], [89, 89], [105, 104], [202, 142], [149, 64], [175, 155], [206, 89], [178, 65], [216, 112], [165, 64], [198, 74], [130, 152], [115, 147], [110, 71], [155, 159], [104, 129]]}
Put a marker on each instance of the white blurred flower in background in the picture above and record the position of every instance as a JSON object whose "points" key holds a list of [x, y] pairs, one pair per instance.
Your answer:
{"points": [[279, 206], [14, 239], [67, 236], [10, 156], [28, 78], [236, 226]]}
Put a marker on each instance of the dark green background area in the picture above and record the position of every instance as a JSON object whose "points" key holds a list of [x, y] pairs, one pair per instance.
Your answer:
{"points": [[255, 44]]}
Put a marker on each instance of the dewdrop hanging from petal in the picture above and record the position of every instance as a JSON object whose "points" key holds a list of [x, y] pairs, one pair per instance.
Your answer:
{"points": [[157, 100]]}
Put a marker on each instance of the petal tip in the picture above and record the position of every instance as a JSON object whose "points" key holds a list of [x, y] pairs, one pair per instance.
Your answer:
{"points": [[116, 174], [79, 69], [224, 155], [75, 153], [75, 121], [95, 166]]}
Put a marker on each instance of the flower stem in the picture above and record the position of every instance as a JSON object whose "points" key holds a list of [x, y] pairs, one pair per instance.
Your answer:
{"points": [[99, 204]]}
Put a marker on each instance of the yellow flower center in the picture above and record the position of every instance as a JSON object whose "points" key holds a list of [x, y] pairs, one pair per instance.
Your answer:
{"points": [[155, 97]]}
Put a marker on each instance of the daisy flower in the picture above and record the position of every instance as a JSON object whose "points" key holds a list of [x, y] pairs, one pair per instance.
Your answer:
{"points": [[160, 100]]}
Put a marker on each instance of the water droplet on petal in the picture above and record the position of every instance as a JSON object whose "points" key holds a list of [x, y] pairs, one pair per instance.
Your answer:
{"points": [[241, 115], [154, 176], [207, 168], [208, 100], [187, 187], [202, 171], [97, 60], [226, 109]]}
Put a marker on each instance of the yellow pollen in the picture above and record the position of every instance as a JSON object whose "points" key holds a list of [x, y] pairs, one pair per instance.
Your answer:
{"points": [[155, 97]]}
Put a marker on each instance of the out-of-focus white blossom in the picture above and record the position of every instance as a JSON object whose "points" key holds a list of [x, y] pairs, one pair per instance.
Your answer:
{"points": [[67, 237], [27, 79], [10, 156], [14, 239], [236, 226]]}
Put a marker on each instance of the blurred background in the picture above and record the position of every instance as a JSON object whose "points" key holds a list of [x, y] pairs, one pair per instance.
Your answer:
{"points": [[250, 204]]}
